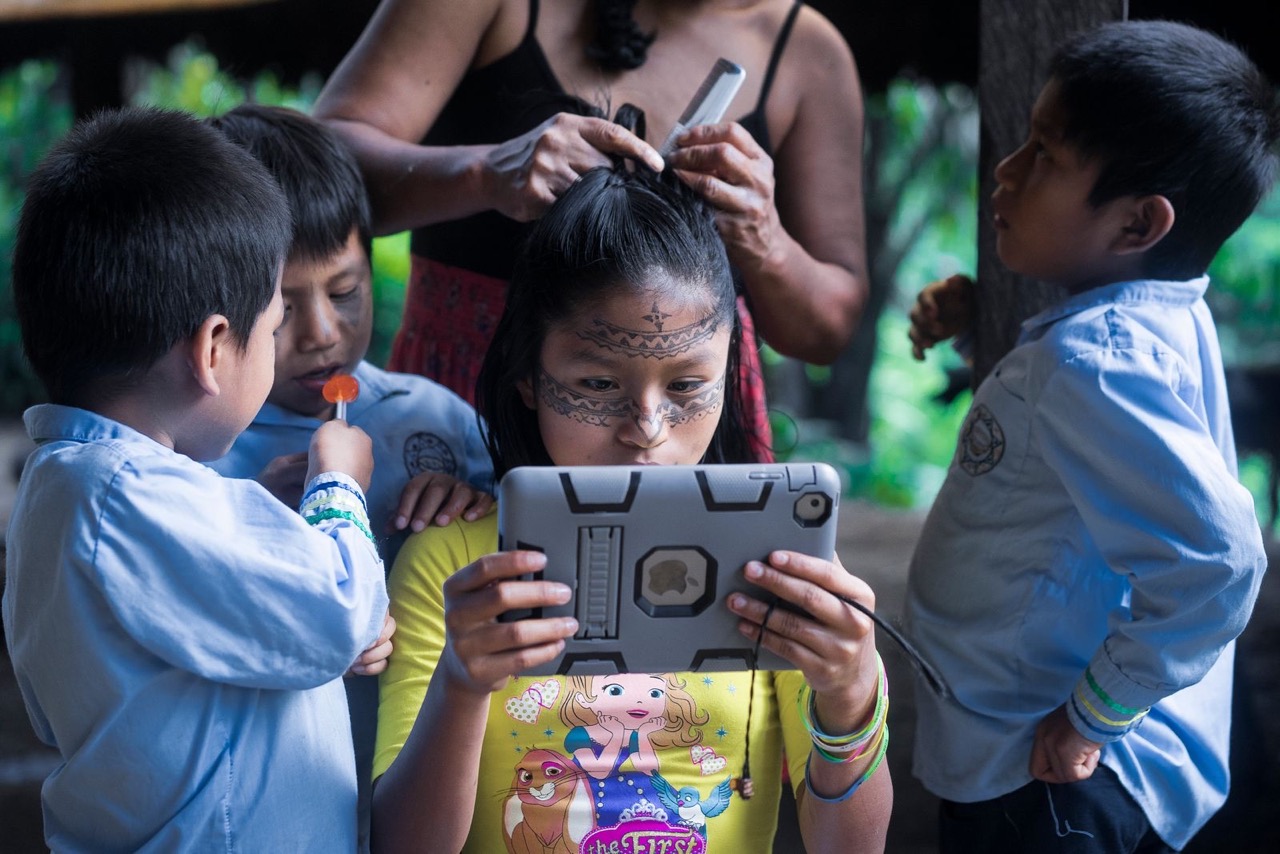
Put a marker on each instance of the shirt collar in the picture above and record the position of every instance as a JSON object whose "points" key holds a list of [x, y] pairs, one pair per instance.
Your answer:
{"points": [[1166, 292], [51, 422]]}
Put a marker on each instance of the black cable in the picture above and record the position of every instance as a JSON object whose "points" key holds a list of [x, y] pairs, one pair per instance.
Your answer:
{"points": [[926, 670], [746, 788]]}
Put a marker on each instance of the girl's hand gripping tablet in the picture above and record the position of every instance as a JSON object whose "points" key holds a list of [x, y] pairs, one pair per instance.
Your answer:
{"points": [[439, 498], [480, 653], [828, 639]]}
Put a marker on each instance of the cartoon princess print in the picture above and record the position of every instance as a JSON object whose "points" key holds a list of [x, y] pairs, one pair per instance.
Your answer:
{"points": [[621, 718]]}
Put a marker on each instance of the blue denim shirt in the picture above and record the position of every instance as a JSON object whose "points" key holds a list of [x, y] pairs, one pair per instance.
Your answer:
{"points": [[1092, 547], [180, 638]]}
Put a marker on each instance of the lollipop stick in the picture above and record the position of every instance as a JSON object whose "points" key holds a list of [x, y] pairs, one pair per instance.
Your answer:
{"points": [[340, 410]]}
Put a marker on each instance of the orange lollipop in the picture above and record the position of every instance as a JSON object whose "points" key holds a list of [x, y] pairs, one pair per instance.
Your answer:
{"points": [[340, 390]]}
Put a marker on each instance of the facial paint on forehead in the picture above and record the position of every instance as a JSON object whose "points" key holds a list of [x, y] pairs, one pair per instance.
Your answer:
{"points": [[660, 343], [601, 412]]}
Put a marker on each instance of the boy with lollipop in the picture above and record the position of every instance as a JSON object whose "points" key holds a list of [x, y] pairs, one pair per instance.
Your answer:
{"points": [[178, 636]]}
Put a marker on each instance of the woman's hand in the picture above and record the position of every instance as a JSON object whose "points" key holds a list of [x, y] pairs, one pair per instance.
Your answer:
{"points": [[728, 168], [831, 643], [480, 653], [525, 175]]}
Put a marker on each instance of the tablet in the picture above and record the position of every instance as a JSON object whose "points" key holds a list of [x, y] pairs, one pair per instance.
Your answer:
{"points": [[651, 552]]}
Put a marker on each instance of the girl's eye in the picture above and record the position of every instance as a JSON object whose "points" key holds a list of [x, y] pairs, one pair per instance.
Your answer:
{"points": [[613, 690], [685, 386], [345, 295], [655, 693], [598, 384]]}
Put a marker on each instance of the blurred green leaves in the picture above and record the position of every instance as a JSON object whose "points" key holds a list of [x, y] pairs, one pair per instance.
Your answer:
{"points": [[34, 113]]}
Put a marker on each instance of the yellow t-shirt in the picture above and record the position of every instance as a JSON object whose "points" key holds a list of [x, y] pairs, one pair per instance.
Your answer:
{"points": [[622, 764]]}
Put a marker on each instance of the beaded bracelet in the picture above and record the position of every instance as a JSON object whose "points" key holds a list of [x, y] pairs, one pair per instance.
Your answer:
{"points": [[333, 495]]}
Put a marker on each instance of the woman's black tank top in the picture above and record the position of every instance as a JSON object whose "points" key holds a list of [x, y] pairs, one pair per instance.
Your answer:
{"points": [[502, 100]]}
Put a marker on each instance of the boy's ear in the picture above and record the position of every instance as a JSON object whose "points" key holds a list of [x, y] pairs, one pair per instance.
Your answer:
{"points": [[1150, 218], [525, 387], [208, 351]]}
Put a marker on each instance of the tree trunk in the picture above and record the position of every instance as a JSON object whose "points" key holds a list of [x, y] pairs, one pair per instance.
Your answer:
{"points": [[1016, 39]]}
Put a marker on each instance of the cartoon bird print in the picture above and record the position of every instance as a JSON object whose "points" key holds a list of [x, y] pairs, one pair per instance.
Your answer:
{"points": [[693, 811]]}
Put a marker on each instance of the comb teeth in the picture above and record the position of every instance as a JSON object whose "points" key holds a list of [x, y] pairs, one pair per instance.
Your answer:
{"points": [[710, 101]]}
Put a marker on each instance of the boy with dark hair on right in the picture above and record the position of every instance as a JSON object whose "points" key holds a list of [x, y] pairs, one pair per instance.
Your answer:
{"points": [[1091, 557]]}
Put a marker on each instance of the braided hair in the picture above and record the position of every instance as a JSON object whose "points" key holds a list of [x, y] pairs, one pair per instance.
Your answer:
{"points": [[618, 43]]}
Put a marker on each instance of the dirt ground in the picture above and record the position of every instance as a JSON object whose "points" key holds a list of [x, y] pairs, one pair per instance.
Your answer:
{"points": [[877, 545]]}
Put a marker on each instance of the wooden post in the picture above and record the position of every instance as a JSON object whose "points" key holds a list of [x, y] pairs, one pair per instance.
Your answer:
{"points": [[1015, 41]]}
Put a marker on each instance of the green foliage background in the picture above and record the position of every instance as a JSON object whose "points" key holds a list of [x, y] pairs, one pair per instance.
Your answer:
{"points": [[912, 433]]}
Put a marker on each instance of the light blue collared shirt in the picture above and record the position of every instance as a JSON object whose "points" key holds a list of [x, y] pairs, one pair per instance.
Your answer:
{"points": [[1091, 546], [180, 638]]}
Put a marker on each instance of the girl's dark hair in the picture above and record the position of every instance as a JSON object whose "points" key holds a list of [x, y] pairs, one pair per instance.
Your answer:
{"points": [[614, 230], [618, 43]]}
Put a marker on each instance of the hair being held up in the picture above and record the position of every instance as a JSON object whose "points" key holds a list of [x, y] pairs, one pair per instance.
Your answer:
{"points": [[618, 43], [615, 231]]}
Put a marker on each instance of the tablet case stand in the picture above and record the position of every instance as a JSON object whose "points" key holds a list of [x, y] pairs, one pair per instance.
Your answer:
{"points": [[651, 553]]}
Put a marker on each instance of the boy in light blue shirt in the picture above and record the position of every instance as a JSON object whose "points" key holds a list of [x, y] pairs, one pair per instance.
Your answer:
{"points": [[180, 638], [1091, 557]]}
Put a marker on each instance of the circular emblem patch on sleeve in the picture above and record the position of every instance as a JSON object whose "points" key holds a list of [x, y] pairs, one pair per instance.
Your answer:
{"points": [[981, 441], [424, 452]]}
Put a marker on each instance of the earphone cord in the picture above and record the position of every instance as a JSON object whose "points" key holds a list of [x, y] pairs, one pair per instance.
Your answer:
{"points": [[926, 670], [746, 789]]}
